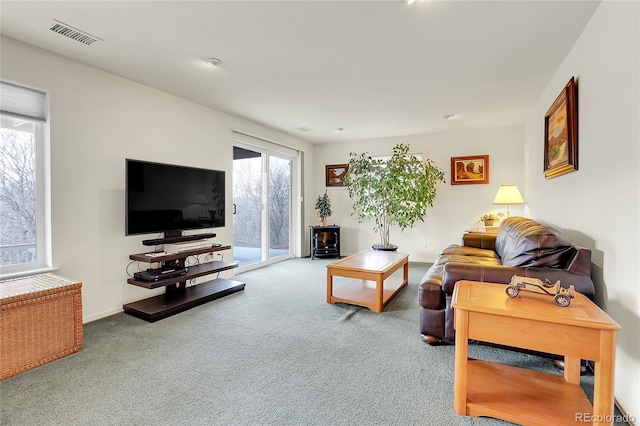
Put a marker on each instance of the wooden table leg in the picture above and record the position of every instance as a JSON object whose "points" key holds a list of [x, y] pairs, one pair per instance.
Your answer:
{"points": [[329, 285], [603, 379], [462, 353], [572, 370], [406, 272], [379, 292]]}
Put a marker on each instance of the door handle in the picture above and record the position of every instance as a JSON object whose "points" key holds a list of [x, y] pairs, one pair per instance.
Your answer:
{"points": [[234, 208]]}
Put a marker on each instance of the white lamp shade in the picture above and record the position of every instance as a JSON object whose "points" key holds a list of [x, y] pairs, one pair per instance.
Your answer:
{"points": [[508, 194]]}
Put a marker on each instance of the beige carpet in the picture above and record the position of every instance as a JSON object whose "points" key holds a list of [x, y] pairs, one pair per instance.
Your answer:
{"points": [[274, 354]]}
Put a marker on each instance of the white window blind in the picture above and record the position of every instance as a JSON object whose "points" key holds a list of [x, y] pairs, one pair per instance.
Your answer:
{"points": [[22, 102]]}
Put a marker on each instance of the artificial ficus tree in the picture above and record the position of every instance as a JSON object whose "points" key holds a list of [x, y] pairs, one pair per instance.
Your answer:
{"points": [[394, 191]]}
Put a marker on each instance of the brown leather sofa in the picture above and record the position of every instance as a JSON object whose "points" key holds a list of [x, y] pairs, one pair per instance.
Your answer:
{"points": [[521, 247]]}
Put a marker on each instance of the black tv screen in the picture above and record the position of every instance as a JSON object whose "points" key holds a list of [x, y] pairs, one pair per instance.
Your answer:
{"points": [[164, 198]]}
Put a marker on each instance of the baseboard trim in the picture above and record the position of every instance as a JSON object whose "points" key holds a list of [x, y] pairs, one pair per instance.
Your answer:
{"points": [[627, 418], [102, 315]]}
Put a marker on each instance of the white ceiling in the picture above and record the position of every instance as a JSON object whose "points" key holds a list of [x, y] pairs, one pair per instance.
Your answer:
{"points": [[375, 68]]}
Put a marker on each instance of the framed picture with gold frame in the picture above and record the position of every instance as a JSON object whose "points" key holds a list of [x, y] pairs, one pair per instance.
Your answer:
{"points": [[561, 133], [471, 169], [334, 174]]}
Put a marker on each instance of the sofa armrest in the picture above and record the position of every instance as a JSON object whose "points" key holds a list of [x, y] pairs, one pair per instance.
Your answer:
{"points": [[430, 296], [480, 240], [454, 272], [580, 263]]}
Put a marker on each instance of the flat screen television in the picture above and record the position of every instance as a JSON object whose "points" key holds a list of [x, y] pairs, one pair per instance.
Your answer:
{"points": [[169, 198]]}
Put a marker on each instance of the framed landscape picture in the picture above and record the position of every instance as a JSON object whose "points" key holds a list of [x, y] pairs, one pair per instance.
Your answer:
{"points": [[472, 169], [561, 133], [334, 174]]}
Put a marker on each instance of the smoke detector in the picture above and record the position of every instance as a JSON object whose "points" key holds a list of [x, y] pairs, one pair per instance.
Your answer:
{"points": [[213, 61]]}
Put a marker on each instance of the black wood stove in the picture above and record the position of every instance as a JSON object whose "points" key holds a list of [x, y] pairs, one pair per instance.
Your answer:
{"points": [[325, 241]]}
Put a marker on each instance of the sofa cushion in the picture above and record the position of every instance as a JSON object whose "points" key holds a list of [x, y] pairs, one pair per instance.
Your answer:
{"points": [[456, 249], [525, 242], [429, 292]]}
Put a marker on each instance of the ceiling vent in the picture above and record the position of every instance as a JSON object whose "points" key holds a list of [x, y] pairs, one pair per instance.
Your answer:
{"points": [[73, 33]]}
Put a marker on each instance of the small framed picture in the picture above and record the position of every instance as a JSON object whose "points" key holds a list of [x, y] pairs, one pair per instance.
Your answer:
{"points": [[334, 174], [561, 133], [472, 169]]}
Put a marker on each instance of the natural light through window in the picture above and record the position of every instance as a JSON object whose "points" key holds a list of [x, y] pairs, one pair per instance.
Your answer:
{"points": [[18, 192], [23, 234]]}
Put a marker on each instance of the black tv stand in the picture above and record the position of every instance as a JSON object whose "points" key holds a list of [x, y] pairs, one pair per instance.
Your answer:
{"points": [[177, 239], [178, 297]]}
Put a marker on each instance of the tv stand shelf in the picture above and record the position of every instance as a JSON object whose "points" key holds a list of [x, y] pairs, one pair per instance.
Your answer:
{"points": [[193, 272], [178, 297], [142, 257]]}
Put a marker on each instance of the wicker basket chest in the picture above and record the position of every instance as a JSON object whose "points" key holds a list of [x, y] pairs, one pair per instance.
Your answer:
{"points": [[40, 321]]}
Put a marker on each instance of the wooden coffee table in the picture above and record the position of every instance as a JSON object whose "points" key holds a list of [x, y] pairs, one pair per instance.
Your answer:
{"points": [[532, 321], [373, 284]]}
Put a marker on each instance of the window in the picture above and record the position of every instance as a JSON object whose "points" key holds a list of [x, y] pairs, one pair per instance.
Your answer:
{"points": [[24, 234]]}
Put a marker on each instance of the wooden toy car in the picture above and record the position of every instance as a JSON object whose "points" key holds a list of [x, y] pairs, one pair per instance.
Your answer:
{"points": [[561, 296]]}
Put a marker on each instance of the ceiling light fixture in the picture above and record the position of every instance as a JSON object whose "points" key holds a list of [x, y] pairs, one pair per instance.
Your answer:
{"points": [[409, 1], [448, 116], [213, 61], [340, 129]]}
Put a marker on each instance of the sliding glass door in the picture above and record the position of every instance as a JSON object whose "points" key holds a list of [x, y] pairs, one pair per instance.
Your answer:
{"points": [[262, 206], [279, 203]]}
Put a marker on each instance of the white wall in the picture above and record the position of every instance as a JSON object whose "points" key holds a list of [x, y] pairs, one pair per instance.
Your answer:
{"points": [[598, 204], [457, 207], [97, 120]]}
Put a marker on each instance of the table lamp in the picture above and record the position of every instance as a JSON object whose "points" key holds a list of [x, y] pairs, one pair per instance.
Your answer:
{"points": [[508, 194]]}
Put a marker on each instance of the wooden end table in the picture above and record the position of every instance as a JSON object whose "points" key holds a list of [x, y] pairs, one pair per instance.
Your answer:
{"points": [[373, 284], [581, 330]]}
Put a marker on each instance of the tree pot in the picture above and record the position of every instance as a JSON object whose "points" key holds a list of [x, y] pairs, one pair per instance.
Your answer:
{"points": [[390, 247]]}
